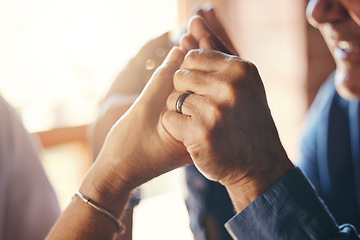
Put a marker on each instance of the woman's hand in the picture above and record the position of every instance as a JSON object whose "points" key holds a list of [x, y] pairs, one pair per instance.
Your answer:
{"points": [[138, 145], [138, 148]]}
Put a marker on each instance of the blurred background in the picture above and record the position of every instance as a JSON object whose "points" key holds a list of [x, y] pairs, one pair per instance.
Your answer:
{"points": [[58, 58]]}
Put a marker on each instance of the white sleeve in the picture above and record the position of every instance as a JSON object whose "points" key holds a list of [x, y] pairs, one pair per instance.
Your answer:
{"points": [[28, 204]]}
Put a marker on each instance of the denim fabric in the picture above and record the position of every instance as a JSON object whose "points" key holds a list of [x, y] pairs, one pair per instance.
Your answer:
{"points": [[291, 209], [207, 199], [329, 154]]}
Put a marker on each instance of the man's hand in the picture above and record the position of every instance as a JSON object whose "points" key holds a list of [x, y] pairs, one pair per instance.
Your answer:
{"points": [[226, 124]]}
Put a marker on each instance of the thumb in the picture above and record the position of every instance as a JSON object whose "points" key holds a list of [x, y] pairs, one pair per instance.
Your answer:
{"points": [[161, 81]]}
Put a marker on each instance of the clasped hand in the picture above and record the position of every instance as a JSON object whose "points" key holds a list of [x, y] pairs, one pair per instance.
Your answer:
{"points": [[226, 125], [226, 128]]}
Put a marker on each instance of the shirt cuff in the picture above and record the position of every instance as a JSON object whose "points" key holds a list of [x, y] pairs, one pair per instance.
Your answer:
{"points": [[290, 209]]}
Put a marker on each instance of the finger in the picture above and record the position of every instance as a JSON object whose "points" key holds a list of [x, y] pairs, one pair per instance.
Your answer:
{"points": [[206, 43], [199, 115], [199, 82], [176, 124], [188, 43], [199, 29], [173, 60], [212, 21], [205, 60], [153, 97], [193, 104], [163, 75]]}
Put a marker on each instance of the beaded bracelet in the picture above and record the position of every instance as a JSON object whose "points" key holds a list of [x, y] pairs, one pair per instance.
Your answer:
{"points": [[120, 228]]}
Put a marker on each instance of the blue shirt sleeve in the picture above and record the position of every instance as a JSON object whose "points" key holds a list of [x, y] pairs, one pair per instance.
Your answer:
{"points": [[291, 209]]}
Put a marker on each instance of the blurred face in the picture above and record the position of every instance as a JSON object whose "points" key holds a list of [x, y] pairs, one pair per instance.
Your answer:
{"points": [[339, 23]]}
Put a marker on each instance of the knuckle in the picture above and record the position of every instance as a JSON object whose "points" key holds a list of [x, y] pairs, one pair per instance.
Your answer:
{"points": [[239, 68], [192, 55], [180, 75], [242, 75], [198, 57]]}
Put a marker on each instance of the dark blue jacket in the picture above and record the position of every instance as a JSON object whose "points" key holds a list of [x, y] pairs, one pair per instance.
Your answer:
{"points": [[329, 153]]}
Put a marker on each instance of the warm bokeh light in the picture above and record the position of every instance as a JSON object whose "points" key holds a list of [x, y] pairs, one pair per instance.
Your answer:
{"points": [[57, 58]]}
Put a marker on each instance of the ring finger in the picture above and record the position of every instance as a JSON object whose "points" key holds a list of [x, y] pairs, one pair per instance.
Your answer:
{"points": [[193, 104]]}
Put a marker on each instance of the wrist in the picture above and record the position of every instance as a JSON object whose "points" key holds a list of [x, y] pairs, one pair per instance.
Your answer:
{"points": [[104, 187], [251, 186]]}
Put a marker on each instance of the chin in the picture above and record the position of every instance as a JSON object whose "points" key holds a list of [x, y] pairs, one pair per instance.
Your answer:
{"points": [[348, 94], [347, 86]]}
